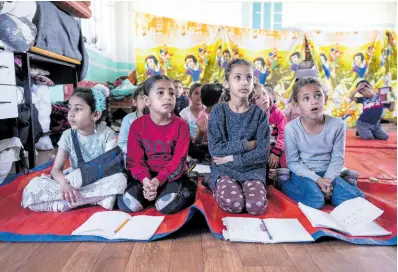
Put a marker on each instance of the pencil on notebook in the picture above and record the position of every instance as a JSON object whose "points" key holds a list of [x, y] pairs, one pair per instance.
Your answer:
{"points": [[122, 225], [192, 167]]}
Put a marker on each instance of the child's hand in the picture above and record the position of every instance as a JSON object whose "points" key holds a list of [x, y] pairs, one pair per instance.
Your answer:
{"points": [[273, 161], [223, 160], [325, 185], [155, 184], [149, 192], [68, 193], [251, 144], [202, 125]]}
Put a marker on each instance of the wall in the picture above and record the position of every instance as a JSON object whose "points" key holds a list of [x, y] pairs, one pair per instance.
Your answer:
{"points": [[343, 16]]}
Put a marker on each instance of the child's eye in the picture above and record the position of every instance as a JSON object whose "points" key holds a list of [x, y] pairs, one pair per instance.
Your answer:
{"points": [[249, 77], [160, 93], [237, 77], [317, 96], [306, 98]]}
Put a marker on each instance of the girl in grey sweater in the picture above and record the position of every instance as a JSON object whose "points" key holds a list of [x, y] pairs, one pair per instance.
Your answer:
{"points": [[238, 138], [315, 147]]}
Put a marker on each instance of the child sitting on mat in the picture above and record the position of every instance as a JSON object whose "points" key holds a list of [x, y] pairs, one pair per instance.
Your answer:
{"points": [[315, 146], [238, 137], [63, 191], [210, 95], [264, 98], [139, 104], [182, 100], [368, 123], [190, 113], [156, 154]]}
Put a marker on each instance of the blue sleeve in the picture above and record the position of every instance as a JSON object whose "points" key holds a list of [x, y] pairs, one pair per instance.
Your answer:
{"points": [[124, 134], [259, 155], [218, 146]]}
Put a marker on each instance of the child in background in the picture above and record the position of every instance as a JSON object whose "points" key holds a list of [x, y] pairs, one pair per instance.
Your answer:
{"points": [[181, 100], [238, 137], [264, 98], [186, 91], [292, 111], [210, 96], [156, 154], [139, 104], [61, 192], [368, 123], [315, 146], [190, 113]]}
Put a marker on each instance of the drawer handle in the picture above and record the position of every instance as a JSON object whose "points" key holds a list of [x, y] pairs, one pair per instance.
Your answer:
{"points": [[5, 102], [3, 67]]}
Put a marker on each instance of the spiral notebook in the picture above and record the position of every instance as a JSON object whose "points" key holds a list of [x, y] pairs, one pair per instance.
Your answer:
{"points": [[119, 225], [267, 231]]}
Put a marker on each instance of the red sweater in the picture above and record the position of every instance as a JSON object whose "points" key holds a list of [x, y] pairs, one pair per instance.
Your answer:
{"points": [[155, 148]]}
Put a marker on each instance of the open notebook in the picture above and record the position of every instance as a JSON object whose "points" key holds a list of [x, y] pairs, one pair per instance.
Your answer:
{"points": [[354, 217], [268, 231], [120, 225], [202, 169]]}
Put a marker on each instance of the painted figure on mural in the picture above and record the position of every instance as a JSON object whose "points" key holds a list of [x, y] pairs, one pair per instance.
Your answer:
{"points": [[192, 69], [226, 58], [335, 55], [327, 68], [273, 59], [204, 54], [260, 70], [295, 61], [359, 65], [219, 56], [152, 66], [165, 57]]}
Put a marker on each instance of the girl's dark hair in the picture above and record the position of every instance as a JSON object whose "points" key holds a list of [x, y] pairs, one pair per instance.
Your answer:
{"points": [[191, 57], [87, 95], [193, 88], [232, 64], [155, 60], [360, 55], [324, 56], [301, 82], [139, 91], [260, 60], [295, 54], [148, 84], [210, 94]]}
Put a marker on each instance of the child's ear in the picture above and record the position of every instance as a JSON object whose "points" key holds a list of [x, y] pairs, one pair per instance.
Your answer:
{"points": [[96, 116], [146, 100], [134, 102]]}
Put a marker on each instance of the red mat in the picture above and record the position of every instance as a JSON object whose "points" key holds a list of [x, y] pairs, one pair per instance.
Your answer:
{"points": [[21, 225], [354, 141]]}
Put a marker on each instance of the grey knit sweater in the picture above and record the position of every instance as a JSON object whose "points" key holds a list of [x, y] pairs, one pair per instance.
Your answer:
{"points": [[229, 133]]}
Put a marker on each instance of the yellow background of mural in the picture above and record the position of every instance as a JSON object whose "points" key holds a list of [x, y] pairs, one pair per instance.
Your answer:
{"points": [[194, 52], [338, 54]]}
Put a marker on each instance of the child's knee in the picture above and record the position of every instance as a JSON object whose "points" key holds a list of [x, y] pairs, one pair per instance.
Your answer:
{"points": [[316, 201], [167, 201], [383, 137], [231, 204], [256, 206], [128, 203]]}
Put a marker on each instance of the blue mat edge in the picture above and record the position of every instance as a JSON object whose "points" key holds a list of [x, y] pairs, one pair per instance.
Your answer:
{"points": [[14, 237]]}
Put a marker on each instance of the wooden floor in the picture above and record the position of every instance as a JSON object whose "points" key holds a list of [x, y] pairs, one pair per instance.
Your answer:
{"points": [[194, 248]]}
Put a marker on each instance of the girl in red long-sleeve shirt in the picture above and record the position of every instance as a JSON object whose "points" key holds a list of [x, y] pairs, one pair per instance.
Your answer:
{"points": [[157, 150]]}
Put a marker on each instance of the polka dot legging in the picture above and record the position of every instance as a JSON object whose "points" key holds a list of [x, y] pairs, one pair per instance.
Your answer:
{"points": [[232, 197]]}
